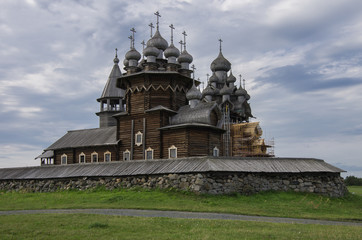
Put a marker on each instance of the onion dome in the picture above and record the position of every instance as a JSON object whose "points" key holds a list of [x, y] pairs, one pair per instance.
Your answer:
{"points": [[220, 64], [185, 57], [208, 91], [125, 63], [231, 78], [151, 51], [116, 60], [172, 51], [226, 90], [241, 92], [193, 93], [213, 78], [157, 41], [133, 54]]}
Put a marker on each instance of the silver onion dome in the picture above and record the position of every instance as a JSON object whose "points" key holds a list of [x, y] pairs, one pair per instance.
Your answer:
{"points": [[172, 51], [125, 63], [133, 54], [226, 90], [213, 78], [208, 91], [193, 93], [157, 41], [116, 60], [240, 92], [185, 57], [231, 78], [151, 51], [220, 64]]}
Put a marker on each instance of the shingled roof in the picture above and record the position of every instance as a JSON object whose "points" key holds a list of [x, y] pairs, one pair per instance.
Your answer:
{"points": [[201, 113], [86, 138], [185, 165]]}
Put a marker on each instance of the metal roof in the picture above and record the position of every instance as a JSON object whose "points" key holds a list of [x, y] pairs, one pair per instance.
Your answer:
{"points": [[182, 165], [201, 113], [110, 89], [46, 154], [86, 138]]}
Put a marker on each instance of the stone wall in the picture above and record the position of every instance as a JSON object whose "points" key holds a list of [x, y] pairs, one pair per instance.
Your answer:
{"points": [[329, 184]]}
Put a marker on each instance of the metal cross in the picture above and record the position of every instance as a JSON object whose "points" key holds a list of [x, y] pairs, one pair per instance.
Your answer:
{"points": [[143, 48], [193, 71], [151, 26], [184, 33], [240, 80], [182, 43], [158, 16], [220, 43], [131, 38], [133, 32], [172, 28], [116, 52]]}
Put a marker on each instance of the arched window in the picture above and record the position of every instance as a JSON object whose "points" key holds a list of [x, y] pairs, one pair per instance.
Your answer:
{"points": [[172, 152], [107, 156], [215, 152], [64, 159], [82, 158], [126, 155], [94, 157], [138, 138], [149, 153]]}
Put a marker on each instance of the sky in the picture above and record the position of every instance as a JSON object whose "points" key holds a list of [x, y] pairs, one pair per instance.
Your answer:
{"points": [[302, 62]]}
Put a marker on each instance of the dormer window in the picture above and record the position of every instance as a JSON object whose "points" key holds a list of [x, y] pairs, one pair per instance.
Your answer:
{"points": [[94, 157], [82, 158], [107, 156], [149, 153], [64, 159], [172, 152], [138, 138], [215, 152], [126, 155]]}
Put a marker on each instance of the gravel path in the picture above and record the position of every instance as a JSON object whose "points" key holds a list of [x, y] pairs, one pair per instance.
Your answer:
{"points": [[177, 214]]}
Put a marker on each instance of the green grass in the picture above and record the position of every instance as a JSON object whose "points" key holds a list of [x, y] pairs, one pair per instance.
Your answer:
{"points": [[355, 190], [278, 204], [86, 226]]}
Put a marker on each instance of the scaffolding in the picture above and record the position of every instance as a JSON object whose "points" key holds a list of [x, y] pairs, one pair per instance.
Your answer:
{"points": [[246, 140], [226, 126]]}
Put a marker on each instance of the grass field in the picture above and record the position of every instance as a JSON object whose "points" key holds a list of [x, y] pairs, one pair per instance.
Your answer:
{"points": [[277, 204], [355, 190], [84, 226]]}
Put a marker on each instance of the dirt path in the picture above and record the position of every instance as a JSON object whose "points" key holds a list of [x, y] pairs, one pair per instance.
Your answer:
{"points": [[177, 214]]}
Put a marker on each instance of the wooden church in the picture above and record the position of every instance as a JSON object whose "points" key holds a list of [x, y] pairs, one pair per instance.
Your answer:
{"points": [[154, 110]]}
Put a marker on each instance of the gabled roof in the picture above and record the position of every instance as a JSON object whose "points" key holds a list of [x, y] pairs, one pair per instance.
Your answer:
{"points": [[86, 138], [201, 113], [110, 89], [182, 165]]}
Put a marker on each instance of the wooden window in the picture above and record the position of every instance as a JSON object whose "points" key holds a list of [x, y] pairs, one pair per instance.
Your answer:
{"points": [[94, 157], [149, 153], [107, 156], [126, 155], [172, 152], [138, 138], [64, 159], [215, 152], [82, 158]]}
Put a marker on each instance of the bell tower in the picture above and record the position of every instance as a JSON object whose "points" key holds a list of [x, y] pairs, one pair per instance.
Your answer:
{"points": [[112, 99]]}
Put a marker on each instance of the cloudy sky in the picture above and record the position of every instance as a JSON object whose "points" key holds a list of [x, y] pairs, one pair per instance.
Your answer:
{"points": [[302, 61]]}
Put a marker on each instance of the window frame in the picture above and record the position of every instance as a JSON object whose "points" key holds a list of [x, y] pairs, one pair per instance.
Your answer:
{"points": [[66, 159], [140, 136], [217, 150], [94, 154], [147, 151], [110, 156], [172, 148], [80, 157], [127, 152]]}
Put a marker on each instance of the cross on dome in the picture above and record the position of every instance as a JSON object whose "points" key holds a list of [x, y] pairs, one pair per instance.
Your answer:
{"points": [[182, 43], [151, 26], [133, 32], [158, 16], [193, 71], [220, 40], [116, 52], [240, 80], [172, 28], [131, 40], [184, 33]]}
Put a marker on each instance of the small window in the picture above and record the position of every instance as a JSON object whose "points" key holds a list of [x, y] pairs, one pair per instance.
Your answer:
{"points": [[64, 159], [138, 138], [126, 155], [82, 158], [172, 152], [215, 152], [149, 153], [107, 156], [94, 157]]}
